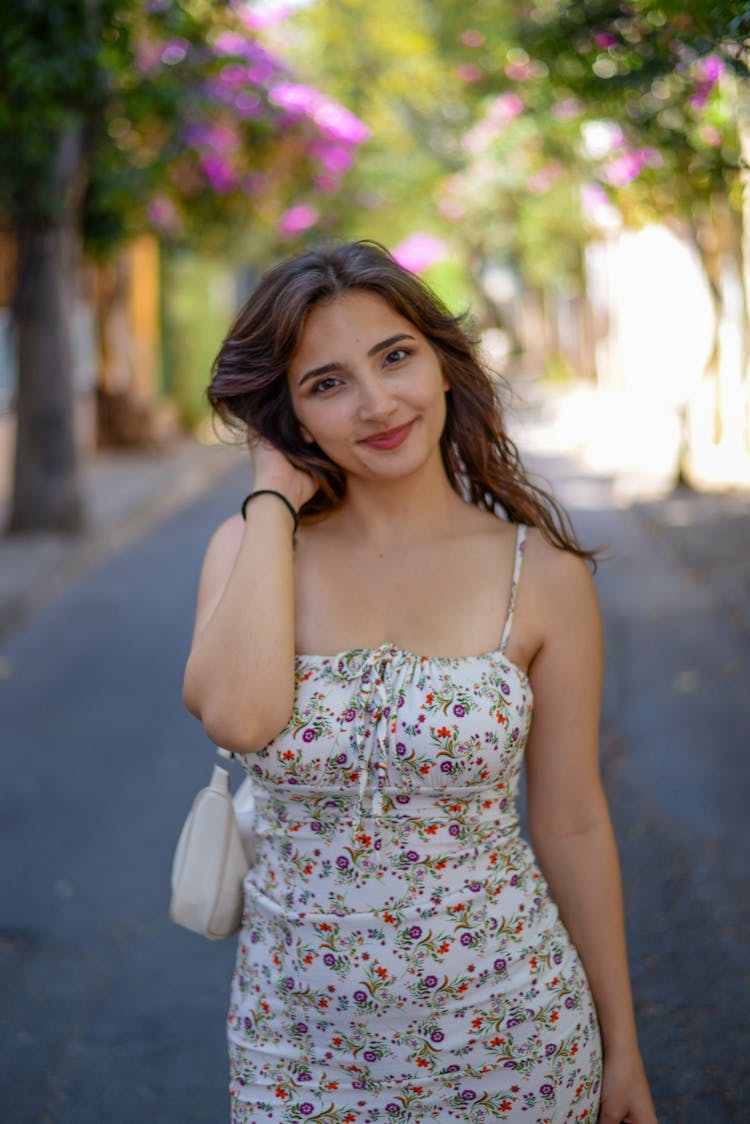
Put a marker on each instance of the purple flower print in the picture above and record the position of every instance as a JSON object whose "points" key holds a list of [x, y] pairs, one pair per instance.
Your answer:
{"points": [[452, 1068], [288, 983], [308, 736], [549, 1049], [546, 1090], [500, 965], [377, 844], [401, 799], [370, 1056], [301, 1028], [446, 767], [306, 1108], [342, 759], [360, 996], [349, 715], [570, 1003], [392, 1108], [437, 1036], [505, 689], [342, 862], [430, 981], [412, 856], [400, 749], [509, 1065], [454, 829], [459, 710], [415, 932], [305, 1076], [557, 958], [315, 826], [466, 939], [358, 1085], [329, 959], [468, 1095]]}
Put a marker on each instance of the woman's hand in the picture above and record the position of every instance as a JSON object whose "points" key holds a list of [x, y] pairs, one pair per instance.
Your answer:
{"points": [[625, 1092], [271, 469]]}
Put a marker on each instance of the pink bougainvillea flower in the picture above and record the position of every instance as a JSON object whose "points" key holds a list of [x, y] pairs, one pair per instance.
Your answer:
{"points": [[162, 213], [710, 68], [331, 118], [295, 98], [257, 19], [335, 158], [218, 138], [708, 71], [471, 38], [504, 108], [593, 197], [627, 166], [518, 71], [219, 173], [339, 123], [604, 40], [297, 220], [710, 136], [419, 251]]}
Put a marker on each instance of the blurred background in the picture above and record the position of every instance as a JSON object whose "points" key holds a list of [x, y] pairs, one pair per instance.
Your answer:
{"points": [[575, 175]]}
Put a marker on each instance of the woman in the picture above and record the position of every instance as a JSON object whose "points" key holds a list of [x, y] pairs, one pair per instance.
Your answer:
{"points": [[401, 956]]}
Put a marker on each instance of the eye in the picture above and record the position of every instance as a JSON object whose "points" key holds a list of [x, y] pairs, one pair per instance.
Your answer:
{"points": [[324, 384], [397, 354]]}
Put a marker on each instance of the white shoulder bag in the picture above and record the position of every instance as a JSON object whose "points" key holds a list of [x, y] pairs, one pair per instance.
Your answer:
{"points": [[215, 850]]}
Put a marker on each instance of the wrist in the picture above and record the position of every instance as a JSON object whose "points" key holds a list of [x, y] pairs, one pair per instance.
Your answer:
{"points": [[272, 494]]}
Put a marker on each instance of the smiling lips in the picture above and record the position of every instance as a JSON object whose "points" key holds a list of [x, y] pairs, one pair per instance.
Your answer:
{"points": [[390, 438]]}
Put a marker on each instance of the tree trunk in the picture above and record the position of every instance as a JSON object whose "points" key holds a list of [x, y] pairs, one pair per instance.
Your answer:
{"points": [[47, 486]]}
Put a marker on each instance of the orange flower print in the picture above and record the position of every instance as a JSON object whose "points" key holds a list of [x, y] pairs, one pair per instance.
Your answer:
{"points": [[408, 929]]}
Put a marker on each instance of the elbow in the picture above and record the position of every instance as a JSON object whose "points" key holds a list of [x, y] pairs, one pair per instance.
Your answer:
{"points": [[240, 729], [236, 721]]}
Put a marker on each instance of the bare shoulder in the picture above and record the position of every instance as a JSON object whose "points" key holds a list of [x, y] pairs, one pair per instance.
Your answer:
{"points": [[559, 580]]}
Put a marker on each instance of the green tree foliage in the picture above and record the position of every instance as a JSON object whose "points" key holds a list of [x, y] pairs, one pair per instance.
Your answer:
{"points": [[116, 116]]}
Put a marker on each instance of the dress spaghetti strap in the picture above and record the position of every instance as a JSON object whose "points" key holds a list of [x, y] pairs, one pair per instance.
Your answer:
{"points": [[520, 540]]}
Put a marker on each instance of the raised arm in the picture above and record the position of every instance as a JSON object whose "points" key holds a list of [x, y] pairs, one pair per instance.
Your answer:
{"points": [[239, 679], [568, 817]]}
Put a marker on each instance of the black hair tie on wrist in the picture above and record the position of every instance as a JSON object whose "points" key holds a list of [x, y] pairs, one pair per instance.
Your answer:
{"points": [[271, 492]]}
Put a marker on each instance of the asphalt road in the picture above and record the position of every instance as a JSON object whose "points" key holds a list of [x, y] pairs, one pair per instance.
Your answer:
{"points": [[111, 1015]]}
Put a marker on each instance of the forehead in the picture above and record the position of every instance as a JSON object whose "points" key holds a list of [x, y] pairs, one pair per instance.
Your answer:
{"points": [[354, 320]]}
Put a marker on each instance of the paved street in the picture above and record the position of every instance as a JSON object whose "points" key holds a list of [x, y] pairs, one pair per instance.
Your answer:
{"points": [[111, 1015]]}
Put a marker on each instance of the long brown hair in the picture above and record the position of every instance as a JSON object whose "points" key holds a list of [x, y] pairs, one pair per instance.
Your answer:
{"points": [[250, 387]]}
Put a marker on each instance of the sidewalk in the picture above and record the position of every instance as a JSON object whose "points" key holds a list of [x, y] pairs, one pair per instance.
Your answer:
{"points": [[127, 491]]}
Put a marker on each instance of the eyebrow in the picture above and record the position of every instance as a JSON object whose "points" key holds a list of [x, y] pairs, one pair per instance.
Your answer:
{"points": [[329, 367]]}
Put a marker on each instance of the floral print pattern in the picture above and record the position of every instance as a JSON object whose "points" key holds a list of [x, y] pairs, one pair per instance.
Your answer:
{"points": [[400, 958]]}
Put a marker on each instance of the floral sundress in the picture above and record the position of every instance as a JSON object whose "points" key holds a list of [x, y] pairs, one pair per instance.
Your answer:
{"points": [[400, 958]]}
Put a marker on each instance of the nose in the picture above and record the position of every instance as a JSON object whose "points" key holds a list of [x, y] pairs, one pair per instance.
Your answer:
{"points": [[376, 400]]}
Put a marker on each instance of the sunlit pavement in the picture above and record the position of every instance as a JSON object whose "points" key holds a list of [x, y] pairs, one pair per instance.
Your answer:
{"points": [[111, 1015]]}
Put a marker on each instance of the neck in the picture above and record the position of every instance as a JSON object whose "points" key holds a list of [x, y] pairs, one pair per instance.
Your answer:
{"points": [[386, 513]]}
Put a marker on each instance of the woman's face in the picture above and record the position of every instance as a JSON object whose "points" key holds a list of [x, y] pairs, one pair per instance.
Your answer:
{"points": [[368, 387]]}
